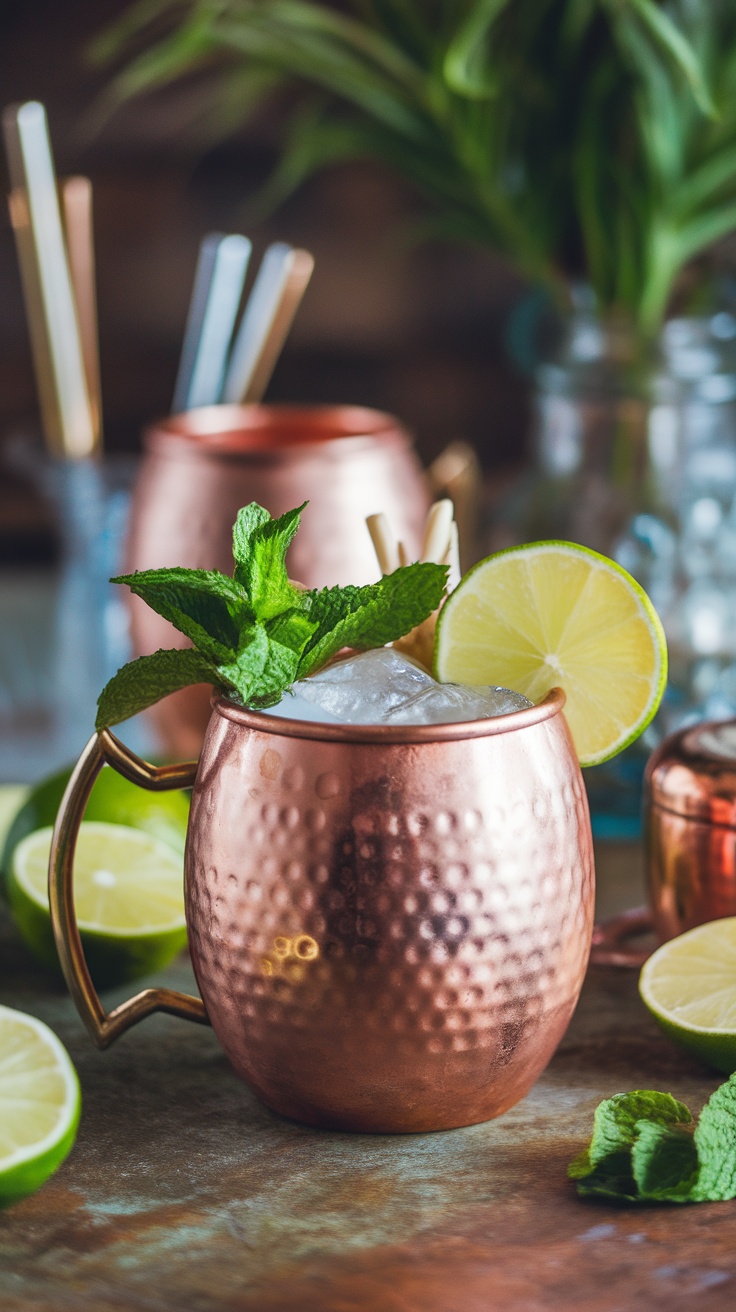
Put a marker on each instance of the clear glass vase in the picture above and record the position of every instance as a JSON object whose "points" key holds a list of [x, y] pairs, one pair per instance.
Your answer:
{"points": [[634, 454]]}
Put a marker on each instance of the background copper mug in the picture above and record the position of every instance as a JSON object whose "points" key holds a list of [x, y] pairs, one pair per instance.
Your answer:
{"points": [[689, 841], [389, 926], [690, 827], [200, 468]]}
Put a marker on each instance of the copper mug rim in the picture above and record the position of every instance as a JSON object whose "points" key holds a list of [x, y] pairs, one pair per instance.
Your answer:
{"points": [[392, 735], [263, 429]]}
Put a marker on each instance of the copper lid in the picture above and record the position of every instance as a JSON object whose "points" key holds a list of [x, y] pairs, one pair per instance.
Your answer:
{"points": [[693, 773]]}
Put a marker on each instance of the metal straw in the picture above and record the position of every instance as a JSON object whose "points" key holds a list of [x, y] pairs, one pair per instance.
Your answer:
{"points": [[218, 284], [274, 299]]}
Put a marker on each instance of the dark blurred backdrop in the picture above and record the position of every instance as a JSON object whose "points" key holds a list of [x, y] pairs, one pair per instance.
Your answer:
{"points": [[418, 330]]}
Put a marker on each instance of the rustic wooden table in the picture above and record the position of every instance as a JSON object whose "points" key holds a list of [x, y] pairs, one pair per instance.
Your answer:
{"points": [[183, 1194]]}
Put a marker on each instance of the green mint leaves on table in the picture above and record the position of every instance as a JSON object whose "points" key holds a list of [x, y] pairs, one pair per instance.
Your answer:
{"points": [[646, 1149], [256, 633]]}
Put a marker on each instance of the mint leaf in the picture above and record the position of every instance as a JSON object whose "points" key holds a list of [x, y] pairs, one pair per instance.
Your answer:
{"points": [[292, 629], [715, 1140], [644, 1149], [260, 546], [247, 521], [203, 604], [372, 615], [254, 634], [664, 1161], [262, 669], [246, 672], [606, 1165], [142, 682]]}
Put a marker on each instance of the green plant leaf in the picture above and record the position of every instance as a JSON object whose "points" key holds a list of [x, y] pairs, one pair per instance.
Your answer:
{"points": [[705, 182], [578, 138], [260, 546], [248, 519], [146, 680], [645, 1149], [715, 1140], [654, 18], [203, 604], [374, 615], [465, 66], [246, 673], [292, 629], [664, 1162]]}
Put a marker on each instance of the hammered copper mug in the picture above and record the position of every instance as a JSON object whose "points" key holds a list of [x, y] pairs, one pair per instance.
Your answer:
{"points": [[389, 926], [199, 468]]}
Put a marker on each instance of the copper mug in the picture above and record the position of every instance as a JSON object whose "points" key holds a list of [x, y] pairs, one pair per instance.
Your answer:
{"points": [[389, 926], [689, 842], [200, 468]]}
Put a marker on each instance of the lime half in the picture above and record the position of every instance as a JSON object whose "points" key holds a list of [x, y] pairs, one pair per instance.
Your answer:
{"points": [[40, 1104], [113, 799], [128, 893], [554, 614], [689, 986]]}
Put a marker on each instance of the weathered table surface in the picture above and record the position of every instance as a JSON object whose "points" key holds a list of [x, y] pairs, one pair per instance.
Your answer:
{"points": [[184, 1194]]}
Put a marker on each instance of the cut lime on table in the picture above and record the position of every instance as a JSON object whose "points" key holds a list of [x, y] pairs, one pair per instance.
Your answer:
{"points": [[554, 614], [128, 894], [39, 1104], [689, 986]]}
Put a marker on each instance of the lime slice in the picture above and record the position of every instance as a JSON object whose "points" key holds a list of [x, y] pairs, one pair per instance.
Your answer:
{"points": [[554, 614], [128, 892], [39, 1104], [689, 986], [113, 799]]}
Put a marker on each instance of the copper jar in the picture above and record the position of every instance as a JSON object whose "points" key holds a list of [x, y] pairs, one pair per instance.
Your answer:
{"points": [[690, 827], [389, 925], [200, 468]]}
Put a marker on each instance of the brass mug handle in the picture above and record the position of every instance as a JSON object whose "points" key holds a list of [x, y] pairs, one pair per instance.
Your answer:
{"points": [[104, 1027]]}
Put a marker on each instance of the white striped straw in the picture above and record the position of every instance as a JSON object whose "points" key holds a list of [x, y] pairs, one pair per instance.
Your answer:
{"points": [[218, 285]]}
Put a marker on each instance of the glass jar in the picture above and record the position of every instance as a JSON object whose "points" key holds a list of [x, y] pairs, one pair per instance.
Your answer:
{"points": [[634, 455]]}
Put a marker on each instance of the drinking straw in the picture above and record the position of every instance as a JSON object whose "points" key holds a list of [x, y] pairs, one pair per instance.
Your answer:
{"points": [[388, 551], [274, 299], [218, 284], [66, 412], [76, 201], [456, 472], [437, 532]]}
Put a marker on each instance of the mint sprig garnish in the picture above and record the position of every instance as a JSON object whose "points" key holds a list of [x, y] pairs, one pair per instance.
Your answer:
{"points": [[646, 1148], [255, 633]]}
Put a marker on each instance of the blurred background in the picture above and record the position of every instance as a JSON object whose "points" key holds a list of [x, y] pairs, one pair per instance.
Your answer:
{"points": [[576, 325], [414, 329]]}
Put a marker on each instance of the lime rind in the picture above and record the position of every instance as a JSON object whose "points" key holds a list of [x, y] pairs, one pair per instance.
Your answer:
{"points": [[115, 954], [714, 984], [113, 799], [112, 833], [26, 1168], [648, 613]]}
